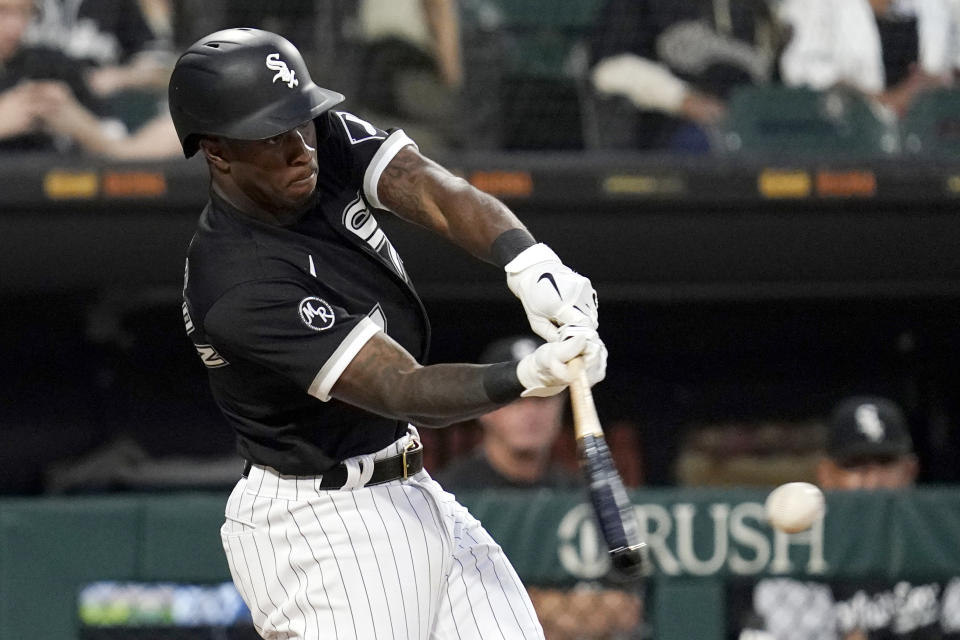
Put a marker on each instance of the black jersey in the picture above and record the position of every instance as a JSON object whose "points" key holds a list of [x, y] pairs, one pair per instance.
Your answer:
{"points": [[276, 313]]}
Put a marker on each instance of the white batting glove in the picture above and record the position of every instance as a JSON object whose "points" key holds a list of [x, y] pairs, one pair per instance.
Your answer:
{"points": [[594, 352], [552, 294], [546, 371]]}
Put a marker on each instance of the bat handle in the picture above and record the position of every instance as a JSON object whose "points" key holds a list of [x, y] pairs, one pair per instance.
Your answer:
{"points": [[585, 417]]}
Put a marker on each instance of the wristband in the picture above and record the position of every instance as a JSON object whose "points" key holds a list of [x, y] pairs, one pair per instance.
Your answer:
{"points": [[530, 256], [509, 245], [500, 382]]}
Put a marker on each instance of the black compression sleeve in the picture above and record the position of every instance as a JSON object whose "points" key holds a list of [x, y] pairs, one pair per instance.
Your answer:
{"points": [[500, 382], [509, 244]]}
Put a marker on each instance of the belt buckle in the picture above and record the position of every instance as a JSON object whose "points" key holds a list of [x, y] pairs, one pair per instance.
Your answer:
{"points": [[410, 447]]}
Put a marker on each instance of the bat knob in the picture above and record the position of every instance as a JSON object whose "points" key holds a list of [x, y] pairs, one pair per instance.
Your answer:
{"points": [[628, 563]]}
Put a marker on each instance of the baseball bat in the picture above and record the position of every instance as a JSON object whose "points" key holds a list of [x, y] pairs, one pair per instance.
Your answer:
{"points": [[615, 514]]}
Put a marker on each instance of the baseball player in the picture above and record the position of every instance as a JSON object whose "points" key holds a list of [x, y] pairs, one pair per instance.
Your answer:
{"points": [[312, 335]]}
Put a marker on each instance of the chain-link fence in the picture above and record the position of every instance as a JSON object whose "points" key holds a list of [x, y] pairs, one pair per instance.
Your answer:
{"points": [[693, 76]]}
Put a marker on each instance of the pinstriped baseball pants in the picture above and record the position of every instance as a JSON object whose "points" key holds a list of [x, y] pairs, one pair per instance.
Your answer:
{"points": [[400, 560]]}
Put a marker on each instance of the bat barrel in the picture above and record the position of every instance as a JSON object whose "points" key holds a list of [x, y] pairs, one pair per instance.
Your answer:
{"points": [[615, 514], [618, 522]]}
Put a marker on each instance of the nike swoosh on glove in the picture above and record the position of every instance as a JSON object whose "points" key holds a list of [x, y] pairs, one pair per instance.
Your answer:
{"points": [[547, 372], [552, 294]]}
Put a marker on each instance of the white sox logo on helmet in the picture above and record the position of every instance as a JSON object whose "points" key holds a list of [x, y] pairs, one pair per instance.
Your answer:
{"points": [[284, 73]]}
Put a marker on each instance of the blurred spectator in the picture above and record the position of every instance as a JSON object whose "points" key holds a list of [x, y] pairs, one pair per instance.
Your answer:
{"points": [[748, 453], [296, 19], [32, 82], [428, 25], [154, 140], [868, 448], [891, 50], [515, 450], [676, 62], [515, 453], [47, 105], [126, 44], [410, 67]]}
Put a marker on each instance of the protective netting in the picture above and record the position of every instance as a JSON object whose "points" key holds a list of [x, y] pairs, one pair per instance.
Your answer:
{"points": [[700, 76]]}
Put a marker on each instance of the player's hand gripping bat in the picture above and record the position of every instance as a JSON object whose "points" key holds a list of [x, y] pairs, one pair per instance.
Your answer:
{"points": [[616, 516]]}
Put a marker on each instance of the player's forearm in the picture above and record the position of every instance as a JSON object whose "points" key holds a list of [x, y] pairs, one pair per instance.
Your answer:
{"points": [[433, 396], [443, 394], [421, 191], [386, 380]]}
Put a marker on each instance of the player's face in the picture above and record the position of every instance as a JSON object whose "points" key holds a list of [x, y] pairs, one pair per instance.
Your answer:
{"points": [[526, 425], [880, 473], [277, 174]]}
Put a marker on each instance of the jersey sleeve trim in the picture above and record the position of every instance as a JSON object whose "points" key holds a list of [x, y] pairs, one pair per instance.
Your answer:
{"points": [[371, 177], [330, 371]]}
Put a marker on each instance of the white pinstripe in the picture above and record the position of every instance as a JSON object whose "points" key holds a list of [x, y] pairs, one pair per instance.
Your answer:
{"points": [[343, 546], [434, 567], [304, 588], [400, 560], [408, 567], [279, 580], [303, 615]]}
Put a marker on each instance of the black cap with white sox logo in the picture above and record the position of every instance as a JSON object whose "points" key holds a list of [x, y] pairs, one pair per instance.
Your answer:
{"points": [[242, 83], [867, 427]]}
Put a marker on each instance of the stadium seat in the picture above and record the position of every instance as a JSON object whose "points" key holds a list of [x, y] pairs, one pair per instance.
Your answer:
{"points": [[932, 125], [134, 107], [800, 121], [540, 33], [523, 61]]}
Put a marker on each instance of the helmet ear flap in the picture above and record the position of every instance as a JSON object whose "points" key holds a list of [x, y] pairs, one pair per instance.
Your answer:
{"points": [[191, 145]]}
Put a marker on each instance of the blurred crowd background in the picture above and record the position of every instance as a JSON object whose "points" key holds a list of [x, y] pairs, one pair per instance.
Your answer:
{"points": [[101, 390], [697, 76]]}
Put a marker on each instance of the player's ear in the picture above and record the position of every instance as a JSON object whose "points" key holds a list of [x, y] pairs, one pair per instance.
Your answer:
{"points": [[214, 151]]}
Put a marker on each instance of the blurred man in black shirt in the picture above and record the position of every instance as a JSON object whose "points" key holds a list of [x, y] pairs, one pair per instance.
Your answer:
{"points": [[515, 452], [31, 80], [676, 63]]}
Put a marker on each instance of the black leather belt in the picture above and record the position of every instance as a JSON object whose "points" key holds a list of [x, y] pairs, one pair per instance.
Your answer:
{"points": [[403, 465]]}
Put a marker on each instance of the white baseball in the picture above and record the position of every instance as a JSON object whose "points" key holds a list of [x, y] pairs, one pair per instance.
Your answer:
{"points": [[794, 506]]}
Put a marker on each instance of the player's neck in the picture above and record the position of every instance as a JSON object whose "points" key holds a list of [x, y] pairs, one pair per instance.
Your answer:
{"points": [[522, 466], [246, 206]]}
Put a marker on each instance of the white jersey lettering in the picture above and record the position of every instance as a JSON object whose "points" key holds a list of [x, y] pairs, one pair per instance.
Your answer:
{"points": [[209, 356]]}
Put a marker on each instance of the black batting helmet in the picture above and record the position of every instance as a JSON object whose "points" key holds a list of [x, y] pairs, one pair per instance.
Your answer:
{"points": [[247, 84]]}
